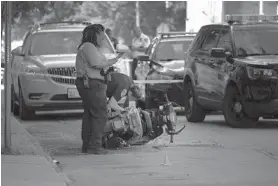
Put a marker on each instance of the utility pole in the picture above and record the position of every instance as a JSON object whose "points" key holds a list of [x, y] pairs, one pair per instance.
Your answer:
{"points": [[261, 8], [185, 19], [137, 14], [7, 83]]}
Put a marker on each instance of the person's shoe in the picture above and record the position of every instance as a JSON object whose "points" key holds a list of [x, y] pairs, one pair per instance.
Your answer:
{"points": [[98, 151]]}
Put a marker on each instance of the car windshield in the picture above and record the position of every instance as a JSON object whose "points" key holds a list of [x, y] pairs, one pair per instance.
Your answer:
{"points": [[171, 50], [53, 43], [256, 41]]}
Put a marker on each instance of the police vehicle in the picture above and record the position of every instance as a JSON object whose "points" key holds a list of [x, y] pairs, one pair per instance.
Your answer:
{"points": [[164, 60], [233, 67], [43, 68]]}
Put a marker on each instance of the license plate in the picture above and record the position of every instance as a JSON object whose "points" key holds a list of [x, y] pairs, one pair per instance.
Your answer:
{"points": [[73, 93]]}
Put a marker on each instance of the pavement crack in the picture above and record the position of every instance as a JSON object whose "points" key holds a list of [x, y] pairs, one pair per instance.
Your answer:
{"points": [[267, 153]]}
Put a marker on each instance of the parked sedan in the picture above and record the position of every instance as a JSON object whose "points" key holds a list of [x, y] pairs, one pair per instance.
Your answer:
{"points": [[164, 60]]}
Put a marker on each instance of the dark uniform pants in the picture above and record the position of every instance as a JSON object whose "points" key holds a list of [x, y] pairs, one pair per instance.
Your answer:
{"points": [[95, 111]]}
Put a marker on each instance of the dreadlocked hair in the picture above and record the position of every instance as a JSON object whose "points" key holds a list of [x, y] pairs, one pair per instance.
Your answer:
{"points": [[90, 34]]}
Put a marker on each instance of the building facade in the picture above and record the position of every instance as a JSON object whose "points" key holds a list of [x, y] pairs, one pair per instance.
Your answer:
{"points": [[215, 11]]}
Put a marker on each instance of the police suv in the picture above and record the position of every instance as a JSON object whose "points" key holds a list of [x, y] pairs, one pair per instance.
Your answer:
{"points": [[233, 67]]}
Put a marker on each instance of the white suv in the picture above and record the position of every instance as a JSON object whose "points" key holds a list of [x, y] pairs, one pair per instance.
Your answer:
{"points": [[48, 49]]}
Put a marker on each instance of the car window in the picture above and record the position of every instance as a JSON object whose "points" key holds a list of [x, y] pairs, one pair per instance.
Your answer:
{"points": [[259, 41], [172, 50], [52, 43], [224, 40], [211, 40]]}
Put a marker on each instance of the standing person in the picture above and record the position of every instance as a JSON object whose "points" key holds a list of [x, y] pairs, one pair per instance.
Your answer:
{"points": [[140, 43], [91, 87], [113, 40]]}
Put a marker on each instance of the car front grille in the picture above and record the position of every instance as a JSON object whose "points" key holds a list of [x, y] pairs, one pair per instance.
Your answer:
{"points": [[68, 71]]}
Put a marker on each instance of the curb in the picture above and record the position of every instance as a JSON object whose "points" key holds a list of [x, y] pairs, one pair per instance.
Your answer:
{"points": [[38, 150]]}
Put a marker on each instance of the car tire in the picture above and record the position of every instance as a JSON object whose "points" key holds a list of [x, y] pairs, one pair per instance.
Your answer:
{"points": [[193, 111], [149, 100], [150, 103], [234, 118], [25, 113], [14, 106]]}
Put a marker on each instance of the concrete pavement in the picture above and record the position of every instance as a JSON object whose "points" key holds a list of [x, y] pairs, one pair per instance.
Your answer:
{"points": [[202, 166], [208, 153], [27, 164], [29, 171]]}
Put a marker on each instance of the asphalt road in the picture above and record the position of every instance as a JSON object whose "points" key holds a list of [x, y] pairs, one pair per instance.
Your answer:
{"points": [[204, 154], [208, 153]]}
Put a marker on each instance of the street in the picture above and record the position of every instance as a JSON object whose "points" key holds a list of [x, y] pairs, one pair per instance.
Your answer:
{"points": [[208, 153]]}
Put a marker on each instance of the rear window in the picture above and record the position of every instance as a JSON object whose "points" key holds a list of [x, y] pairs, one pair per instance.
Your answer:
{"points": [[52, 43], [171, 50]]}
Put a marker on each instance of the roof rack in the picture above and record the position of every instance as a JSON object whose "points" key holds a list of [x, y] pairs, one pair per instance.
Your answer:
{"points": [[241, 18], [177, 34], [37, 26]]}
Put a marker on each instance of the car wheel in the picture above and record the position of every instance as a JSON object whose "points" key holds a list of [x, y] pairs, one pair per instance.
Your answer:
{"points": [[25, 113], [150, 103], [14, 106], [193, 111], [233, 110]]}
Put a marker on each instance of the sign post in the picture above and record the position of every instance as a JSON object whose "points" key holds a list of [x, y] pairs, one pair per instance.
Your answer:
{"points": [[7, 82]]}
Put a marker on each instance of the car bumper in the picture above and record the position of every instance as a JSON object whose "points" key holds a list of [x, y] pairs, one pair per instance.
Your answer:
{"points": [[266, 109], [46, 93], [173, 91]]}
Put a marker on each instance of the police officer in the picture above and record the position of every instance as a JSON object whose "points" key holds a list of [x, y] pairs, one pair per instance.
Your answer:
{"points": [[120, 87], [92, 87]]}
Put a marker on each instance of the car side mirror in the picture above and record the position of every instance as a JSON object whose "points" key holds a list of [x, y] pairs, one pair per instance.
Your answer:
{"points": [[218, 52], [17, 51], [143, 58]]}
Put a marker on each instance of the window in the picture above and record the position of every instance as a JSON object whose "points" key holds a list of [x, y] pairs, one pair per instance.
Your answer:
{"points": [[256, 41], [225, 41], [172, 50], [211, 40], [53, 43]]}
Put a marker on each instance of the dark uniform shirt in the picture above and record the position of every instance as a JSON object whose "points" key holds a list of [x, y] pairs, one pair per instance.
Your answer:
{"points": [[118, 86]]}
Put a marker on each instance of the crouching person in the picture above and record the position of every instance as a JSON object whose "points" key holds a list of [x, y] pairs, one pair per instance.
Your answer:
{"points": [[133, 127], [125, 123], [121, 87]]}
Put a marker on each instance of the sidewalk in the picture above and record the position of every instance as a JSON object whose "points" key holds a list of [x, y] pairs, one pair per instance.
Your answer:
{"points": [[27, 164], [29, 171]]}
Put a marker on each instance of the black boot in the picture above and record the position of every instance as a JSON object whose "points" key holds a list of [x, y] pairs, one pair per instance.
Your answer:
{"points": [[98, 151], [97, 147]]}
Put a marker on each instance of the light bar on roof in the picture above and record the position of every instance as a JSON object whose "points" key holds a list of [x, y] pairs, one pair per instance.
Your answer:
{"points": [[251, 18]]}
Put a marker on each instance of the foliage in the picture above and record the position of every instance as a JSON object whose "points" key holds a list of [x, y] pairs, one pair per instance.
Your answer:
{"points": [[120, 17]]}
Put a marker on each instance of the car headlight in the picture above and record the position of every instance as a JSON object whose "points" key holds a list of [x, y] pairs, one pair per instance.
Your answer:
{"points": [[34, 70], [160, 69], [256, 73]]}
